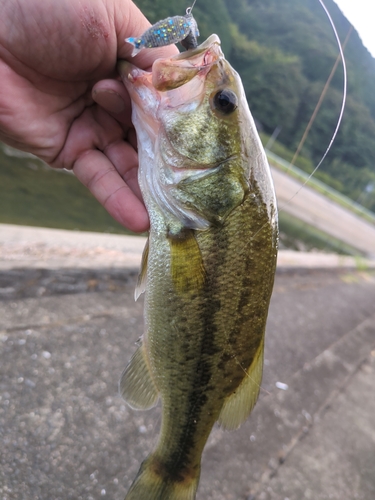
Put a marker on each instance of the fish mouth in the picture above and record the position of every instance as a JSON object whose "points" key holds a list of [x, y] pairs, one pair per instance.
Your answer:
{"points": [[171, 73]]}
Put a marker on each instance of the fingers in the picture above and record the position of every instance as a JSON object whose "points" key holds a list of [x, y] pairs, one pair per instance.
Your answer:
{"points": [[96, 171], [125, 159], [107, 164], [108, 99], [112, 96]]}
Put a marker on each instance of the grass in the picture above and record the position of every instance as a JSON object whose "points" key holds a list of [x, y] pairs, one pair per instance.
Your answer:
{"points": [[32, 194], [297, 235]]}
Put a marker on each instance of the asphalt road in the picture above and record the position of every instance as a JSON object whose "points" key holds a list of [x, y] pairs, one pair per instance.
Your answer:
{"points": [[317, 210], [66, 335]]}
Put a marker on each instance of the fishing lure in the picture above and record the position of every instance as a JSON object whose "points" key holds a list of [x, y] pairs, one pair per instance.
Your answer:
{"points": [[171, 30]]}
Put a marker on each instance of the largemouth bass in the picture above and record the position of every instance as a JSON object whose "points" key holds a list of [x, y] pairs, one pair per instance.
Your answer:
{"points": [[209, 265]]}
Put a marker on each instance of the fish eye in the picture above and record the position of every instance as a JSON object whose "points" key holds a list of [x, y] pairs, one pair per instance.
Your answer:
{"points": [[225, 101]]}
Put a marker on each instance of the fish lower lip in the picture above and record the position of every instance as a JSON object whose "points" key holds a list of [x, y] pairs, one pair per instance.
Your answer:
{"points": [[128, 71]]}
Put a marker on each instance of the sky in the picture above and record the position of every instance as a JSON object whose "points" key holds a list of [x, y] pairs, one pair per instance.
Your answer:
{"points": [[361, 14]]}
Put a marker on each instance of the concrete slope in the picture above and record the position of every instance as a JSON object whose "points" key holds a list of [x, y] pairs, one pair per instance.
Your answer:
{"points": [[318, 211]]}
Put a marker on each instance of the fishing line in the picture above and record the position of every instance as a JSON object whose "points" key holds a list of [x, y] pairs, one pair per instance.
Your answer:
{"points": [[184, 29], [341, 55], [189, 9], [259, 386], [321, 99], [345, 79]]}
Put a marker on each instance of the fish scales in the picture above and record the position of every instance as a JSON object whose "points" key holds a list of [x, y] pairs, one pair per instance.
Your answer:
{"points": [[221, 331], [209, 266]]}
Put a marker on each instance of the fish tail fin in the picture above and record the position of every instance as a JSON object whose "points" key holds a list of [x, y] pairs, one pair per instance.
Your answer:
{"points": [[154, 482], [137, 44]]}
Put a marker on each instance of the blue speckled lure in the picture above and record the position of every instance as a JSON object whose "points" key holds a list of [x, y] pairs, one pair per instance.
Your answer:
{"points": [[171, 30]]}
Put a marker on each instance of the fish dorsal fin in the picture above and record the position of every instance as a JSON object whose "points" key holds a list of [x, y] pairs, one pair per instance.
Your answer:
{"points": [[187, 269], [137, 386], [238, 405], [142, 277]]}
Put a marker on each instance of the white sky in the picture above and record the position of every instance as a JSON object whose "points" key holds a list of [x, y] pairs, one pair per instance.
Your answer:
{"points": [[361, 13]]}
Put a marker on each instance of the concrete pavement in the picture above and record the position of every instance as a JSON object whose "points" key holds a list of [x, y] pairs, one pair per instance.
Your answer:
{"points": [[56, 248], [67, 332]]}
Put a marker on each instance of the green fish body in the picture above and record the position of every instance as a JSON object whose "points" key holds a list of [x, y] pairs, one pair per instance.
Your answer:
{"points": [[209, 265]]}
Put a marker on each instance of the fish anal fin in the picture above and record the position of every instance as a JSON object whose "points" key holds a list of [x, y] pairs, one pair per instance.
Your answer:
{"points": [[142, 277], [238, 406], [136, 385], [187, 269]]}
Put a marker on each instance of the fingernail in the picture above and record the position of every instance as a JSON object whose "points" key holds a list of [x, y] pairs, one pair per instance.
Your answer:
{"points": [[109, 100]]}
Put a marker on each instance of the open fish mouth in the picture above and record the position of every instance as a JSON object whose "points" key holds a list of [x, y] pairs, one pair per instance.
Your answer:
{"points": [[168, 74], [172, 73]]}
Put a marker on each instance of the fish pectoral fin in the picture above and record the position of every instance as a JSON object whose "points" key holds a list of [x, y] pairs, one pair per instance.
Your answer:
{"points": [[136, 385], [238, 406], [142, 277], [187, 269]]}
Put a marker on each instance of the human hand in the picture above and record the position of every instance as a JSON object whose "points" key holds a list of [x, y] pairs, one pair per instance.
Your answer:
{"points": [[60, 98]]}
